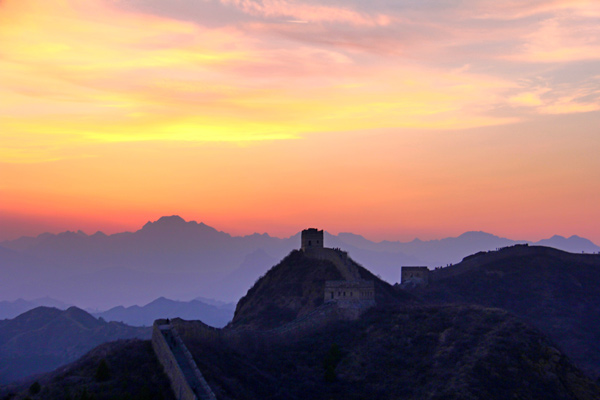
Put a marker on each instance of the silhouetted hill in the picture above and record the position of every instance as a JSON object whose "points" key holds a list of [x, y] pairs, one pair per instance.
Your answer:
{"points": [[133, 373], [10, 309], [557, 292], [165, 308], [294, 288], [44, 338], [415, 352]]}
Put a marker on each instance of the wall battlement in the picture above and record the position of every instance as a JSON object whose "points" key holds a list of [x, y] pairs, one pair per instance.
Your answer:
{"points": [[359, 292], [339, 258], [318, 318]]}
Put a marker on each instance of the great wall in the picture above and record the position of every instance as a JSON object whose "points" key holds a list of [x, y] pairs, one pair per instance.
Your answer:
{"points": [[343, 300], [186, 379]]}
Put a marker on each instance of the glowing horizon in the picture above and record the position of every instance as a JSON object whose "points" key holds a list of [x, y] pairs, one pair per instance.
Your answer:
{"points": [[392, 120]]}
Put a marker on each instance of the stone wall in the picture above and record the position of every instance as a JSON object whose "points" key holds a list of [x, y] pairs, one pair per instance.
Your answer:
{"points": [[186, 379], [339, 258], [352, 291], [181, 388], [318, 318]]}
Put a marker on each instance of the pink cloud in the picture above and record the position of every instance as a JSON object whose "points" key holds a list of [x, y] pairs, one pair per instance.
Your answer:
{"points": [[516, 9], [560, 39], [301, 12]]}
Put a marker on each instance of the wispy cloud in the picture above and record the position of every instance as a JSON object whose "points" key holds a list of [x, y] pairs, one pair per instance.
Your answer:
{"points": [[558, 40], [73, 78], [514, 9], [557, 98], [91, 71]]}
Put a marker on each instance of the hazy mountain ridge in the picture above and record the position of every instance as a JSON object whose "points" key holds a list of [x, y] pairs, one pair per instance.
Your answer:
{"points": [[44, 338], [217, 316], [11, 309], [183, 260]]}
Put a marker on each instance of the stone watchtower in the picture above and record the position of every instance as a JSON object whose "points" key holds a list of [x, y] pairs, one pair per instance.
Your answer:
{"points": [[312, 238], [415, 276], [353, 294]]}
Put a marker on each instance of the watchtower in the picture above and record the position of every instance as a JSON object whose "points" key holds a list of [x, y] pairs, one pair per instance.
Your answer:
{"points": [[416, 275], [312, 238]]}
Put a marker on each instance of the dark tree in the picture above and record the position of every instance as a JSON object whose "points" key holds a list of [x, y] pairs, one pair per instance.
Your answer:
{"points": [[331, 360], [35, 388], [102, 373]]}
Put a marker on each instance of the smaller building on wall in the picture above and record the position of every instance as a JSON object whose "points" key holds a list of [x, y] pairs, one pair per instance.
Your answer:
{"points": [[360, 291], [415, 276]]}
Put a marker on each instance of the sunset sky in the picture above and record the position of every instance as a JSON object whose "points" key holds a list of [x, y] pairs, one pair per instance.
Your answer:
{"points": [[393, 119]]}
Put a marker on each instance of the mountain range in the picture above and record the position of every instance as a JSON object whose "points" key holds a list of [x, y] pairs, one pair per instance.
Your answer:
{"points": [[212, 312], [500, 324], [213, 315], [183, 260]]}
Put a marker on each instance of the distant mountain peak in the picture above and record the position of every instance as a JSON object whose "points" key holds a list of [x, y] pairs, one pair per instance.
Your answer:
{"points": [[476, 234], [160, 300], [79, 233], [574, 244], [176, 223], [350, 234], [172, 220], [258, 235]]}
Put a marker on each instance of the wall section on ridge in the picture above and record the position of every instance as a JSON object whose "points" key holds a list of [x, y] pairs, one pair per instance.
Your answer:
{"points": [[186, 379]]}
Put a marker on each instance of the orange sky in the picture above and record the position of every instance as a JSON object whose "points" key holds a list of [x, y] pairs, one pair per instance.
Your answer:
{"points": [[393, 119]]}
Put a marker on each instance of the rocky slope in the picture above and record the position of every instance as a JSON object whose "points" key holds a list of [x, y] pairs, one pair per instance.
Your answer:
{"points": [[557, 292], [132, 372], [407, 352], [398, 349]]}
